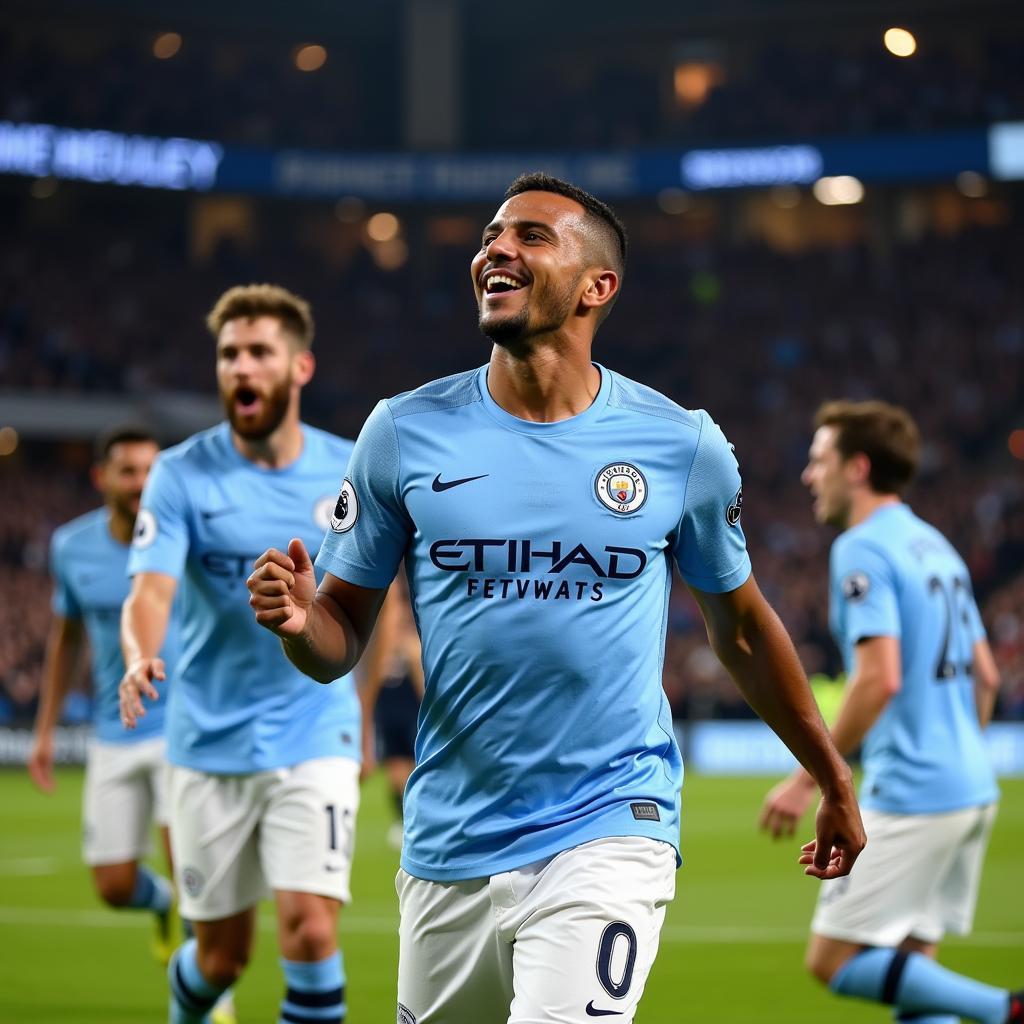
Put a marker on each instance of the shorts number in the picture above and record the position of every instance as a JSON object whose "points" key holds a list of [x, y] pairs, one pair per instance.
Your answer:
{"points": [[331, 811], [615, 931]]}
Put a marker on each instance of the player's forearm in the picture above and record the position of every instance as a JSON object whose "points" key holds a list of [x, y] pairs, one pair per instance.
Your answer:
{"points": [[144, 619], [328, 646], [865, 699], [63, 646], [761, 659]]}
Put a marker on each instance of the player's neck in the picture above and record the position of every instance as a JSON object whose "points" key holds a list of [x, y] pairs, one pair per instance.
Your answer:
{"points": [[866, 502], [121, 526], [545, 384], [276, 450]]}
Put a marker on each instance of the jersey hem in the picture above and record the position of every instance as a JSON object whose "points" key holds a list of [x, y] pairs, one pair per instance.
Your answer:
{"points": [[946, 808]]}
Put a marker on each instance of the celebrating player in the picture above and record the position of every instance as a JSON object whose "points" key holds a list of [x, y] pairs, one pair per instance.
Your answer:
{"points": [[264, 769], [922, 684], [124, 774], [540, 502]]}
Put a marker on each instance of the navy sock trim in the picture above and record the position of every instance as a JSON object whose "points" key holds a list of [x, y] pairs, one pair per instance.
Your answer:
{"points": [[893, 976], [195, 1004], [295, 1018], [332, 997]]}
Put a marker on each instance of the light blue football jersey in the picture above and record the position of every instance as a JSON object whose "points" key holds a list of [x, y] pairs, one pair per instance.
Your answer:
{"points": [[237, 704], [539, 558], [895, 575], [90, 583]]}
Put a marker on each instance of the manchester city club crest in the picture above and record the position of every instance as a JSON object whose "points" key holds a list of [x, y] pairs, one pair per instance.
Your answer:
{"points": [[621, 487]]}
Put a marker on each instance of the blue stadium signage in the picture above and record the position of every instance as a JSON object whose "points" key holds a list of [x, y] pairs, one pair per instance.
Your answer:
{"points": [[43, 150]]}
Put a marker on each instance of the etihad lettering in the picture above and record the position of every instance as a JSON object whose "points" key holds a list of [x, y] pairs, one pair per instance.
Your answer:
{"points": [[527, 556], [507, 588]]}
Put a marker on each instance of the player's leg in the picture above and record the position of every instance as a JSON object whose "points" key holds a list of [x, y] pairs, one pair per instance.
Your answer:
{"points": [[213, 836], [306, 841], [397, 770], [585, 929], [453, 967], [116, 814], [895, 891]]}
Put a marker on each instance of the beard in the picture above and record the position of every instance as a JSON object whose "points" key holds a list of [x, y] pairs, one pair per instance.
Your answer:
{"points": [[260, 426], [553, 309]]}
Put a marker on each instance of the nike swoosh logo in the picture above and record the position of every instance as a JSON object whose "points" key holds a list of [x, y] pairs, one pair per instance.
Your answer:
{"points": [[332, 868], [591, 1012], [439, 486], [213, 513]]}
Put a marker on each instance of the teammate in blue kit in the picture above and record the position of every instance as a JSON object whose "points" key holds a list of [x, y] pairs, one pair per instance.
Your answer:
{"points": [[922, 684], [539, 503], [124, 775], [264, 768]]}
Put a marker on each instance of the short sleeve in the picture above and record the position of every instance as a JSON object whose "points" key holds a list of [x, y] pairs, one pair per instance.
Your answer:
{"points": [[711, 551], [370, 528], [864, 584], [161, 539], [64, 602]]}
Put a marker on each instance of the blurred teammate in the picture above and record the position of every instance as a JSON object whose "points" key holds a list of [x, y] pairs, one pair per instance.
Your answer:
{"points": [[124, 773], [392, 690], [539, 503], [264, 768], [922, 684]]}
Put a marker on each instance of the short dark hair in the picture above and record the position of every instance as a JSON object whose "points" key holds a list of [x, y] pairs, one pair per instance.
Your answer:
{"points": [[123, 433], [249, 301], [608, 223], [885, 433]]}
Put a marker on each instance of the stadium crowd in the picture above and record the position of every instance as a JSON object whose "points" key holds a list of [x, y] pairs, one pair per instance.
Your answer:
{"points": [[757, 336], [630, 91]]}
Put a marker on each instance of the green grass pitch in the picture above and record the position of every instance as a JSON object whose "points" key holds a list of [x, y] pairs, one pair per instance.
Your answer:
{"points": [[731, 950]]}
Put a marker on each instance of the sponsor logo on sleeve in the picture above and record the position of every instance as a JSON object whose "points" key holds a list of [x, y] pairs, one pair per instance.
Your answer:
{"points": [[856, 586], [621, 487], [645, 811], [145, 529], [735, 509], [346, 509]]}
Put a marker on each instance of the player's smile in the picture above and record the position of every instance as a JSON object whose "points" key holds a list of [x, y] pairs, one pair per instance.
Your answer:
{"points": [[498, 282]]}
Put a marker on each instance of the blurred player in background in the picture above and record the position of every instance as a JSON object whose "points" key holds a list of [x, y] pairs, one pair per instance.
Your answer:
{"points": [[264, 770], [392, 690], [539, 503], [922, 685], [125, 772]]}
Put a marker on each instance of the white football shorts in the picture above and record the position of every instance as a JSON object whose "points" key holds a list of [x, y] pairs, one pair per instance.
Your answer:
{"points": [[563, 940], [917, 877], [237, 837], [124, 795]]}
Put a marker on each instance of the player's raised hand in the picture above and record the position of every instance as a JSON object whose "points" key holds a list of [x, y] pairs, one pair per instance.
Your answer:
{"points": [[282, 588], [786, 804], [136, 684], [839, 837], [40, 762]]}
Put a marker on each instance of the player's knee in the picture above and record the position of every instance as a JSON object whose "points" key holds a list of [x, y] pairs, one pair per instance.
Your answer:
{"points": [[115, 888], [311, 937], [819, 965], [222, 967]]}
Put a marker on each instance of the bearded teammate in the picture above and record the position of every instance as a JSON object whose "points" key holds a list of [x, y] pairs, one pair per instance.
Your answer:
{"points": [[539, 503], [264, 768], [922, 684], [124, 775]]}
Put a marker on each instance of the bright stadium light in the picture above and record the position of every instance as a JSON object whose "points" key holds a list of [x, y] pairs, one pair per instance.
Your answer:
{"points": [[311, 57], [971, 184], [390, 255], [841, 190], [166, 45], [1016, 444], [383, 227], [899, 42], [8, 441]]}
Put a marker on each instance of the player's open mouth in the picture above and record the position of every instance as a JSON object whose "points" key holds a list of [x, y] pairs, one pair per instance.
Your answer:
{"points": [[247, 401], [500, 283]]}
